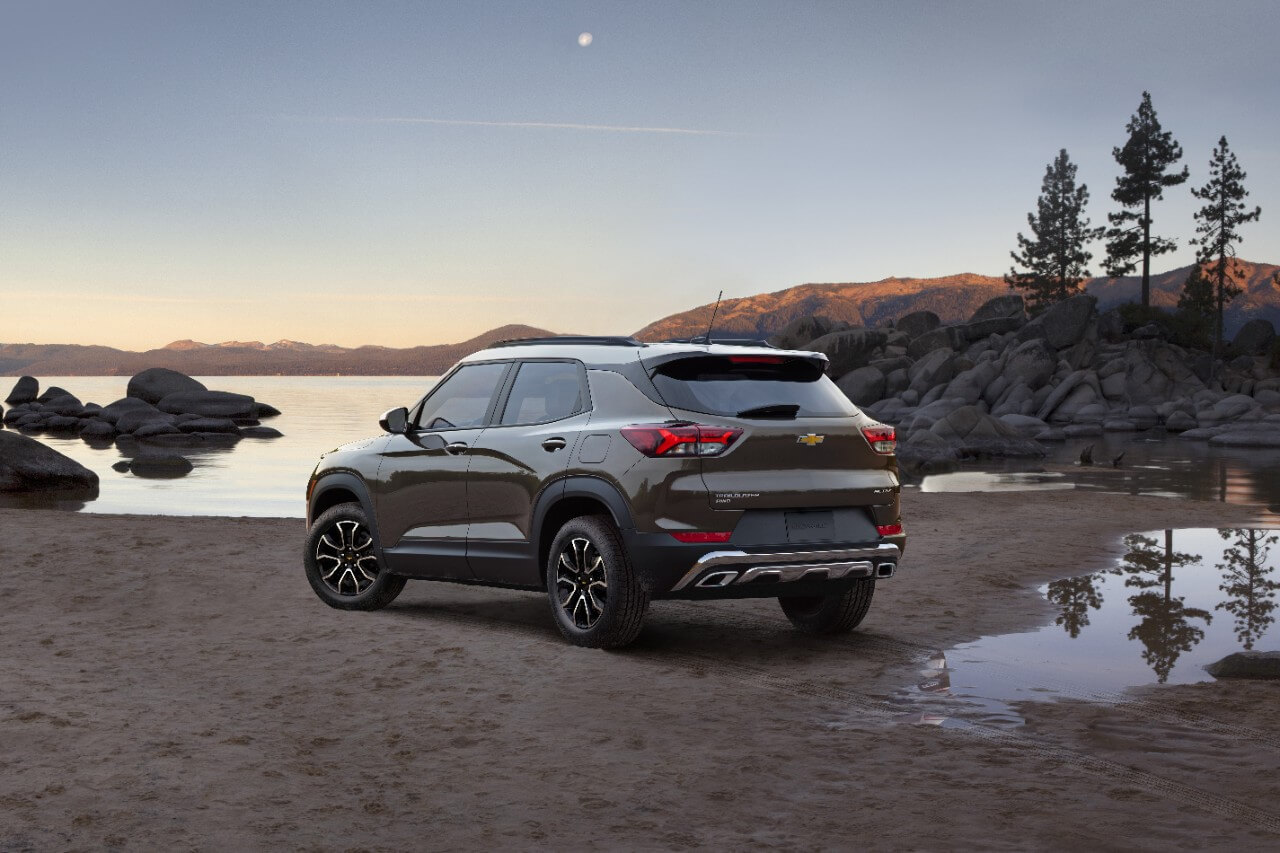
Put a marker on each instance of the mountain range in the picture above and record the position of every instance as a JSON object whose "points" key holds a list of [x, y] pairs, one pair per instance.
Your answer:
{"points": [[953, 298]]}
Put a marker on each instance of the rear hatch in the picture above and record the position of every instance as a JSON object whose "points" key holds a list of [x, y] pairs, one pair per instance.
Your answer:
{"points": [[801, 445]]}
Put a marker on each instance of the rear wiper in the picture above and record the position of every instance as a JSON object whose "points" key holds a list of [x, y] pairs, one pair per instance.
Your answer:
{"points": [[786, 411]]}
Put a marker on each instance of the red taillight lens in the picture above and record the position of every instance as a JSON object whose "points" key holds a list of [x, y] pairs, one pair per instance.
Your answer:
{"points": [[699, 536], [889, 529], [680, 439], [883, 439]]}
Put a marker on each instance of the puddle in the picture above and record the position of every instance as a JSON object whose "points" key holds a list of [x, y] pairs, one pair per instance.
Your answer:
{"points": [[1176, 601], [996, 481]]}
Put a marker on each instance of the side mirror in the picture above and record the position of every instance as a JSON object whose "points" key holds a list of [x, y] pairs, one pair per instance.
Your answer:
{"points": [[395, 421]]}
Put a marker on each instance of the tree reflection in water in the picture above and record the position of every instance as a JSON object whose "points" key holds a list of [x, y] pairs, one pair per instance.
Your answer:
{"points": [[1165, 629], [1076, 597], [1247, 581]]}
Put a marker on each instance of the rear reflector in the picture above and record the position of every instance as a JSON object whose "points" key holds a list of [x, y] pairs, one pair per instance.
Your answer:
{"points": [[889, 529], [882, 438], [699, 536], [680, 439]]}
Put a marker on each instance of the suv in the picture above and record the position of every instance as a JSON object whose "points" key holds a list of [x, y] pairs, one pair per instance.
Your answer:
{"points": [[610, 472]]}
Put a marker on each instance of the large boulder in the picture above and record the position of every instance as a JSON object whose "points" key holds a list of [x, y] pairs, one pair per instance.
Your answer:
{"points": [[1254, 338], [208, 425], [943, 337], [133, 419], [798, 333], [1032, 364], [112, 411], [975, 434], [25, 390], [1064, 323], [847, 350], [935, 368], [976, 330], [160, 465], [863, 386], [28, 465], [261, 432], [52, 393], [1246, 665], [96, 429], [156, 383], [917, 323], [64, 404], [223, 404], [1009, 305]]}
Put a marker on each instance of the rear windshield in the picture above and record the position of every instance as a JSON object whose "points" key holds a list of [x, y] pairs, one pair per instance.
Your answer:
{"points": [[751, 387]]}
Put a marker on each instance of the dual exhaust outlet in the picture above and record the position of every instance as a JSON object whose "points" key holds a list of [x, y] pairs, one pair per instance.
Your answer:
{"points": [[788, 574]]}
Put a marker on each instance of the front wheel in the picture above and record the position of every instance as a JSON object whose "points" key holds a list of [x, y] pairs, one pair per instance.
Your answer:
{"points": [[595, 597], [342, 566], [838, 613]]}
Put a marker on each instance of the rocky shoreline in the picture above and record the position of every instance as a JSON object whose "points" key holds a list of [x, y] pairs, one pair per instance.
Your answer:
{"points": [[1003, 384], [163, 411]]}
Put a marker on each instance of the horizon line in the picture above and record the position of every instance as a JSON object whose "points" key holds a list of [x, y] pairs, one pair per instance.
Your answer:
{"points": [[539, 125]]}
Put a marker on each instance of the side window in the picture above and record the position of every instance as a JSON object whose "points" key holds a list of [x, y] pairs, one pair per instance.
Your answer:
{"points": [[544, 391], [463, 399]]}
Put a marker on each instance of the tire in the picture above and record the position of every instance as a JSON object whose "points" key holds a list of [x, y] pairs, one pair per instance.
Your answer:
{"points": [[838, 613], [595, 598], [342, 564]]}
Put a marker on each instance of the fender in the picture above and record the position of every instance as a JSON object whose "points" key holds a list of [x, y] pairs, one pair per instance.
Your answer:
{"points": [[348, 482], [580, 486]]}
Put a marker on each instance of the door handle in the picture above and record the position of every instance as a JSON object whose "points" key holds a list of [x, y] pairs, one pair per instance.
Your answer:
{"points": [[455, 448], [551, 445]]}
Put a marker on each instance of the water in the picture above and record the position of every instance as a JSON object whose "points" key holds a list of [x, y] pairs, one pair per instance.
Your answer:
{"points": [[1176, 601], [256, 477], [1153, 464]]}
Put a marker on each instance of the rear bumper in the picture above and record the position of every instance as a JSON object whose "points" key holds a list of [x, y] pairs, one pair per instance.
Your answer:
{"points": [[670, 569]]}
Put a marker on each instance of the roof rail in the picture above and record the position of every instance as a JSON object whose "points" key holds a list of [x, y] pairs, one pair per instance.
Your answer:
{"points": [[730, 342], [577, 340]]}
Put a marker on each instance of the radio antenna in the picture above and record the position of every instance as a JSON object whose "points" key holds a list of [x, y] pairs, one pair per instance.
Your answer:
{"points": [[713, 317]]}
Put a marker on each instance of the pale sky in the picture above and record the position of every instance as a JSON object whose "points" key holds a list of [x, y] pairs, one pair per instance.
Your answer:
{"points": [[414, 173]]}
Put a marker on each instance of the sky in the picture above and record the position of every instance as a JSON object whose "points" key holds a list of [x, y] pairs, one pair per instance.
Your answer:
{"points": [[406, 173]]}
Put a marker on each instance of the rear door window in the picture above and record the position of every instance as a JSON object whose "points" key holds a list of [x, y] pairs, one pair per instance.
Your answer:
{"points": [[751, 386], [544, 391]]}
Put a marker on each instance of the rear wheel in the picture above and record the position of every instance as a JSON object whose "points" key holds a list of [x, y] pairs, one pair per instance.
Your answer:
{"points": [[837, 613], [342, 565], [595, 598]]}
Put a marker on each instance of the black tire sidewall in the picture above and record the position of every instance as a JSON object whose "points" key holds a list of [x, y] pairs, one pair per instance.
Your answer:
{"points": [[615, 626], [379, 593]]}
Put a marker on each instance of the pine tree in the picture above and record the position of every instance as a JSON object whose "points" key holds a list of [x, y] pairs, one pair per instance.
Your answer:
{"points": [[1055, 258], [1146, 158], [1218, 223], [1197, 293]]}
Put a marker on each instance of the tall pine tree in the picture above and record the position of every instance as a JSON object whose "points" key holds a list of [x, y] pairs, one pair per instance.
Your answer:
{"points": [[1055, 258], [1217, 223], [1146, 158]]}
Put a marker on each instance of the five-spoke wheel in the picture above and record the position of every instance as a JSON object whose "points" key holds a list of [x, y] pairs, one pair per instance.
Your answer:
{"points": [[582, 583], [595, 595], [342, 561]]}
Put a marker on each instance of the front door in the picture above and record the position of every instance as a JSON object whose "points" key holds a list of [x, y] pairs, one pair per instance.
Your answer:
{"points": [[422, 491]]}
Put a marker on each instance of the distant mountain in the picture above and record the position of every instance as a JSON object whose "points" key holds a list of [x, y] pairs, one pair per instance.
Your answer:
{"points": [[953, 298], [253, 358]]}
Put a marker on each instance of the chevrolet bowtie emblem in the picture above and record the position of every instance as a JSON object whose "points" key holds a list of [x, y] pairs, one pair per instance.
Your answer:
{"points": [[811, 439]]}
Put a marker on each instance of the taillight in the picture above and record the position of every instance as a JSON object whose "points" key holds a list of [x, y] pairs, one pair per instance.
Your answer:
{"points": [[889, 529], [699, 536], [883, 439], [680, 439]]}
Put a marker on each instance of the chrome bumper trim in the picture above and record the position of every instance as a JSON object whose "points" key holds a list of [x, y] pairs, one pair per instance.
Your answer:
{"points": [[858, 562]]}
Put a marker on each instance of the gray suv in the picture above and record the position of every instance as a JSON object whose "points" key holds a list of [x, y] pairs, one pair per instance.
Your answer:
{"points": [[610, 472]]}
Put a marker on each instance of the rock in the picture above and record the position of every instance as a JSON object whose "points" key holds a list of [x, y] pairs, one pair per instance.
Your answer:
{"points": [[862, 386], [24, 390], [261, 432], [800, 331], [1032, 364], [1246, 438], [888, 365], [1200, 433], [981, 329], [1002, 307], [1246, 665], [943, 337], [209, 425], [1254, 338], [1265, 397], [1113, 386], [122, 465], [262, 410], [1065, 387], [916, 323], [1051, 434], [112, 411], [1119, 425], [1143, 417], [1064, 323], [1078, 430], [133, 419], [65, 404], [896, 382], [154, 384], [63, 425], [1025, 424], [53, 392], [975, 434], [847, 350], [170, 439], [1110, 325], [216, 439], [157, 465], [151, 429], [1149, 332], [28, 465], [214, 404], [1091, 413], [97, 430], [935, 368]]}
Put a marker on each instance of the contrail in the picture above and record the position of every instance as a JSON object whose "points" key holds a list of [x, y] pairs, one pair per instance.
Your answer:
{"points": [[545, 125]]}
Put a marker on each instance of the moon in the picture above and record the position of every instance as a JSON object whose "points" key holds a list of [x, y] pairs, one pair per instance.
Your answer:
{"points": [[584, 39]]}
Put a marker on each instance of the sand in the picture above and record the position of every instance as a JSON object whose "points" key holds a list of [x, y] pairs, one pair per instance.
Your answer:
{"points": [[171, 683]]}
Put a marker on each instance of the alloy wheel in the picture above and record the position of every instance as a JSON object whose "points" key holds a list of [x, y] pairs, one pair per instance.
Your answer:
{"points": [[344, 555], [581, 583]]}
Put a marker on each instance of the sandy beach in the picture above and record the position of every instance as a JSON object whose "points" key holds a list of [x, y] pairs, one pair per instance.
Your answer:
{"points": [[172, 683]]}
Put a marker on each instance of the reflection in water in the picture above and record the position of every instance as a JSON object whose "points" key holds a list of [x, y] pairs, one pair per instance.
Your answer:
{"points": [[1247, 582], [1148, 620]]}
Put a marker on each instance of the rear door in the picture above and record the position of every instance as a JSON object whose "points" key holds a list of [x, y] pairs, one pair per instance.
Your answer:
{"points": [[802, 445]]}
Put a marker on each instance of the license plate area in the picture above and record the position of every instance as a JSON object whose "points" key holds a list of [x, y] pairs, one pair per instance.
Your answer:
{"points": [[810, 526]]}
